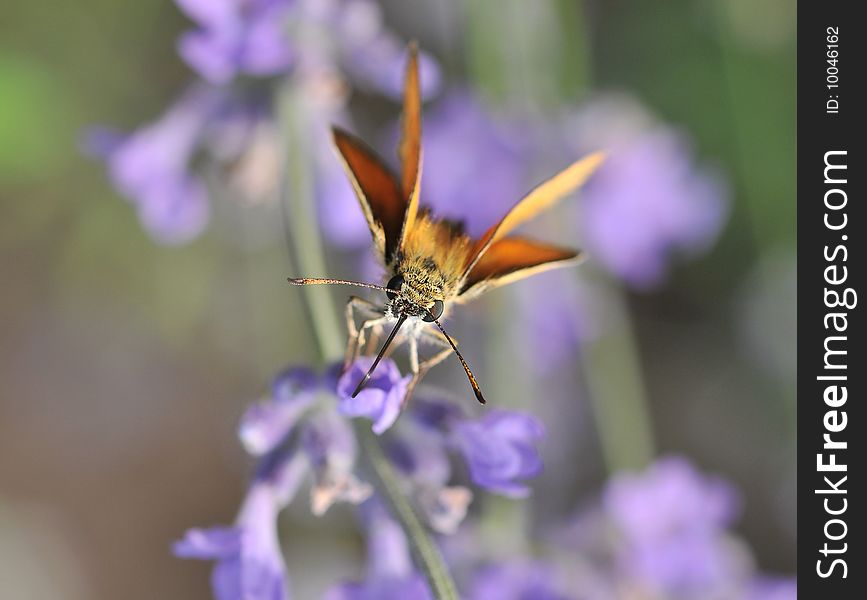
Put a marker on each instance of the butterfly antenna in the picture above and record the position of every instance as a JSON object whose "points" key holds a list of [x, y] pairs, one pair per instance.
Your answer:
{"points": [[379, 356], [319, 281], [476, 390]]}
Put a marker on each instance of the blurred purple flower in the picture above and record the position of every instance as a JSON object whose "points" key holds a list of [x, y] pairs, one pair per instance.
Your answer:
{"points": [[381, 400], [235, 37], [474, 167], [516, 580], [555, 319], [667, 499], [249, 563], [329, 443], [151, 167], [773, 588], [390, 573], [646, 201], [673, 521], [265, 424], [499, 450], [420, 455]]}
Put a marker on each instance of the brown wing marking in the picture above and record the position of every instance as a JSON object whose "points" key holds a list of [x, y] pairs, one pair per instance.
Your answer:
{"points": [[377, 189], [512, 259]]}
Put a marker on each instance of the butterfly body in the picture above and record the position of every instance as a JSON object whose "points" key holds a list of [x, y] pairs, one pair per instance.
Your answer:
{"points": [[432, 263]]}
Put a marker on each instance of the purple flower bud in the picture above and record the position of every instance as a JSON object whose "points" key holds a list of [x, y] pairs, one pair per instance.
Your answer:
{"points": [[249, 562], [382, 397], [499, 450], [266, 424]]}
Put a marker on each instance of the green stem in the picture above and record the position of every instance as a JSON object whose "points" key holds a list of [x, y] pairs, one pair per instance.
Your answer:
{"points": [[300, 218], [613, 374], [426, 553], [308, 258]]}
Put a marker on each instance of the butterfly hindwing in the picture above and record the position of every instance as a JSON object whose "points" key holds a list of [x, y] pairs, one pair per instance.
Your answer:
{"points": [[542, 197], [511, 259]]}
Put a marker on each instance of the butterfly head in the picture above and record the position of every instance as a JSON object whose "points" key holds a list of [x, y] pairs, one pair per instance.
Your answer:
{"points": [[420, 300]]}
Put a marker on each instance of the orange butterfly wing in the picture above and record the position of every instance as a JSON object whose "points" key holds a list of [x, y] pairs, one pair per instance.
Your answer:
{"points": [[389, 205], [511, 259], [377, 189], [540, 198], [409, 150]]}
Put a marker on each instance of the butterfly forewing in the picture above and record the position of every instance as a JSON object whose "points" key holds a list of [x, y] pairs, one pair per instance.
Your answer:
{"points": [[410, 142], [377, 189], [542, 197]]}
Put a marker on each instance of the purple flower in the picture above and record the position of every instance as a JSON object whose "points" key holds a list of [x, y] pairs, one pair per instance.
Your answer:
{"points": [[249, 563], [473, 166], [390, 573], [329, 445], [772, 588], [647, 201], [236, 37], [499, 450], [673, 522], [555, 319], [151, 167], [516, 580], [420, 455], [668, 498], [381, 400], [265, 424]]}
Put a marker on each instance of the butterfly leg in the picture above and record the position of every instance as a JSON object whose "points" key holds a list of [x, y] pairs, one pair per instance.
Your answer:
{"points": [[355, 341], [419, 370]]}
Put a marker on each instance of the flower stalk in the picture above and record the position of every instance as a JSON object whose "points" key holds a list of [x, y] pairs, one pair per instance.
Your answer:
{"points": [[307, 256]]}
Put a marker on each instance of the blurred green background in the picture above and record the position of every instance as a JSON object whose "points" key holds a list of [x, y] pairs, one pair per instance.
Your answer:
{"points": [[124, 366]]}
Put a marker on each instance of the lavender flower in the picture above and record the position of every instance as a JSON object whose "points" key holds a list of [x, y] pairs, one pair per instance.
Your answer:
{"points": [[380, 401], [249, 563], [772, 588], [266, 424], [420, 455], [235, 37], [648, 200], [390, 574], [474, 165], [312, 47], [516, 580], [672, 519], [556, 319], [330, 446], [152, 167], [499, 450]]}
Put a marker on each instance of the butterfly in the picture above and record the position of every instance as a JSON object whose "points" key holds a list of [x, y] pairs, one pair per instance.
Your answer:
{"points": [[433, 264]]}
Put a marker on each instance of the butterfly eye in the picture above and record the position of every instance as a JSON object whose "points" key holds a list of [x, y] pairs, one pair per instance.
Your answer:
{"points": [[395, 284], [435, 312]]}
